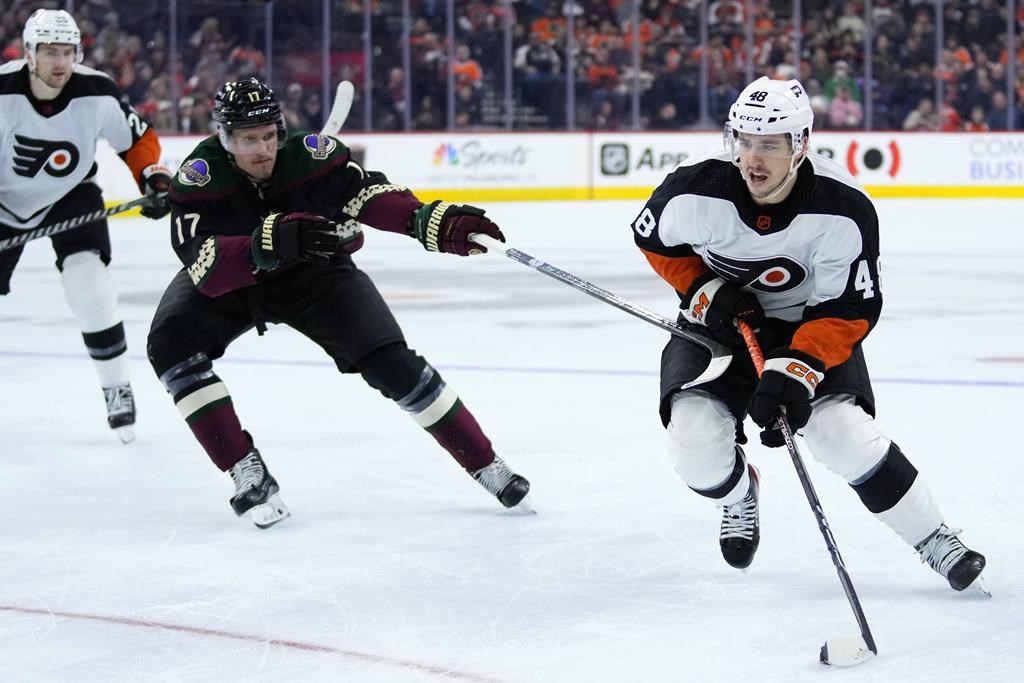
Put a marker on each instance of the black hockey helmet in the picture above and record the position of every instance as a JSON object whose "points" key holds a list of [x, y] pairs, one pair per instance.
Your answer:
{"points": [[246, 104]]}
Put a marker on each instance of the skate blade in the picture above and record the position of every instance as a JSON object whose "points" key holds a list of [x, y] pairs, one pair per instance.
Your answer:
{"points": [[126, 433], [979, 585], [525, 506], [266, 515]]}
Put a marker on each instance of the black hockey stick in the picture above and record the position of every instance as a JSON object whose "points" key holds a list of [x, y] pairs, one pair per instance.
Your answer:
{"points": [[846, 650], [70, 223], [721, 356]]}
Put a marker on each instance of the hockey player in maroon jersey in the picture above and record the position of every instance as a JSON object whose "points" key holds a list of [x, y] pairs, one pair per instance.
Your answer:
{"points": [[52, 110], [264, 221], [785, 240]]}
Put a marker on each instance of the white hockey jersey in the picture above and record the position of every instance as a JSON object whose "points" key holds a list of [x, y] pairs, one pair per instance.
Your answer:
{"points": [[812, 258], [49, 147]]}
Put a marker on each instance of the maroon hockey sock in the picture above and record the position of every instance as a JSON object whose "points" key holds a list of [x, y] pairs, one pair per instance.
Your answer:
{"points": [[459, 433], [220, 434]]}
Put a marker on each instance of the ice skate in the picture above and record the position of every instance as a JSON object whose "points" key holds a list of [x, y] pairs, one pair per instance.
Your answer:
{"points": [[256, 492], [741, 529], [508, 487], [121, 411], [952, 560]]}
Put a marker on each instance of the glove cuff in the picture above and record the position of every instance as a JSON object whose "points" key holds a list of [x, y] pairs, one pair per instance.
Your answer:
{"points": [[263, 244], [427, 222], [150, 170], [700, 300], [797, 366]]}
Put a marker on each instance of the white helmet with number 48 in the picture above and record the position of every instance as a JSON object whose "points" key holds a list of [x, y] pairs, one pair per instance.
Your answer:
{"points": [[767, 107]]}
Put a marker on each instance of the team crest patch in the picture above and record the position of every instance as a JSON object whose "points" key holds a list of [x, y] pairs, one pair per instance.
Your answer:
{"points": [[319, 146], [194, 172]]}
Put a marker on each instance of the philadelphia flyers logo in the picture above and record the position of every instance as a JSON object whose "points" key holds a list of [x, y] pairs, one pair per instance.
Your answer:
{"points": [[772, 274], [58, 158]]}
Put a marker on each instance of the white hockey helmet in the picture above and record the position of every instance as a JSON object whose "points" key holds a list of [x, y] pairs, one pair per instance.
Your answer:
{"points": [[51, 26], [767, 107]]}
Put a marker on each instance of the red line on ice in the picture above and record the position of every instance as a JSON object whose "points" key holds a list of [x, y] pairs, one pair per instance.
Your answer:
{"points": [[293, 644]]}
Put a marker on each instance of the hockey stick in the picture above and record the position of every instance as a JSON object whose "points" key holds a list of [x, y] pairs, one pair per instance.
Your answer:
{"points": [[70, 223], [721, 356], [339, 110], [845, 650]]}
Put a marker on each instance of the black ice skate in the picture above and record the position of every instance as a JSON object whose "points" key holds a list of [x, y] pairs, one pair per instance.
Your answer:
{"points": [[945, 553], [256, 492], [741, 529], [121, 411], [508, 487]]}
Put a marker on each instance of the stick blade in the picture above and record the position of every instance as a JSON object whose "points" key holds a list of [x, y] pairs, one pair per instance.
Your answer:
{"points": [[848, 651], [343, 97]]}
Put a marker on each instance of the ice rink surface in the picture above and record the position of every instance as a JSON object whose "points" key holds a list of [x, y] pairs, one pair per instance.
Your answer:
{"points": [[125, 563]]}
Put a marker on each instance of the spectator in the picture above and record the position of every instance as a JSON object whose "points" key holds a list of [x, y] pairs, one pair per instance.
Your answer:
{"points": [[841, 78], [291, 108], [999, 115], [845, 112], [978, 122], [922, 117]]}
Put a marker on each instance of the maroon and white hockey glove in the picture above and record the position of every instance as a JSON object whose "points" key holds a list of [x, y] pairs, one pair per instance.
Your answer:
{"points": [[789, 381], [302, 236], [442, 226], [715, 303]]}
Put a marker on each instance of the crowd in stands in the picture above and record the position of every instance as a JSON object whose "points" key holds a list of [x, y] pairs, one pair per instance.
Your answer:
{"points": [[572, 62]]}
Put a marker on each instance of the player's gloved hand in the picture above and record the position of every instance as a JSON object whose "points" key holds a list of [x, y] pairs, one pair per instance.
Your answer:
{"points": [[788, 381], [302, 236], [442, 226], [156, 181], [716, 303]]}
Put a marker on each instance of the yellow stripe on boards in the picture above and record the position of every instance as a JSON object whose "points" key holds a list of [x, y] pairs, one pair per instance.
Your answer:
{"points": [[532, 194]]}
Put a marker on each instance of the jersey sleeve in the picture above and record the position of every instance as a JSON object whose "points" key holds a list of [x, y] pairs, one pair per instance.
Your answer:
{"points": [[128, 133], [847, 296], [666, 233], [217, 263]]}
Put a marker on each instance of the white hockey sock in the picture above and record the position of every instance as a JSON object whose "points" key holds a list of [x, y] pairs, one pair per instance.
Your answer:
{"points": [[89, 291]]}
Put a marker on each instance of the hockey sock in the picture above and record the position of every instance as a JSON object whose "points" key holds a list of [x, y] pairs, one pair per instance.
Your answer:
{"points": [[437, 408], [89, 291], [898, 497], [205, 403]]}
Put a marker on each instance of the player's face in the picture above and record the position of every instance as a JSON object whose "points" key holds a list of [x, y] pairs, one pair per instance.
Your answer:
{"points": [[765, 163], [255, 150], [54, 64]]}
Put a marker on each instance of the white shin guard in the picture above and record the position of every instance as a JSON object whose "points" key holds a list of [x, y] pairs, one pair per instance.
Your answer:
{"points": [[702, 445], [89, 291], [844, 438], [847, 441]]}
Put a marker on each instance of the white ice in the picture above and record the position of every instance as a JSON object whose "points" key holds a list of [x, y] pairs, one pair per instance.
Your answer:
{"points": [[125, 563]]}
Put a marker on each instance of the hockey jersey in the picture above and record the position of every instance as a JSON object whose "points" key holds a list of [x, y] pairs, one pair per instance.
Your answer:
{"points": [[49, 146], [215, 207], [811, 259]]}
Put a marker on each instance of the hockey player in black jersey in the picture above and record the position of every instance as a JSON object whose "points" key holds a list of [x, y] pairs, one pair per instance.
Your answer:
{"points": [[785, 240], [264, 221], [52, 110]]}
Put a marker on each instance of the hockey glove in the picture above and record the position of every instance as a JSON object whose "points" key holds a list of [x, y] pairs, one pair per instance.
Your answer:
{"points": [[788, 381], [442, 226], [156, 181], [301, 237], [716, 303]]}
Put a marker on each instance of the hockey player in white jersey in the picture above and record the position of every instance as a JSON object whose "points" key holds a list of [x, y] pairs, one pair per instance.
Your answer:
{"points": [[52, 110], [785, 240]]}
